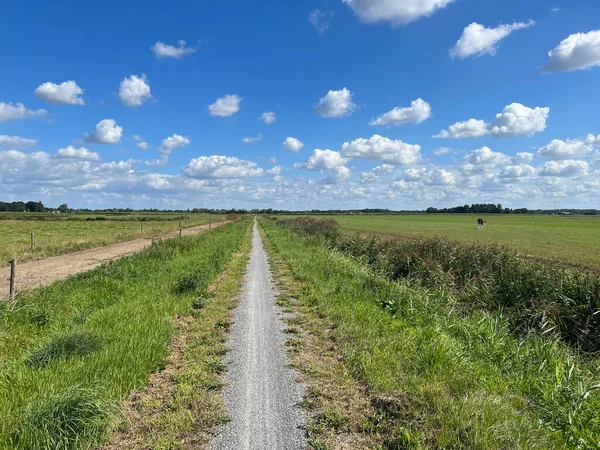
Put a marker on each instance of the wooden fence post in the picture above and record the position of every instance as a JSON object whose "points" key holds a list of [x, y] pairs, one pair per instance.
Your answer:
{"points": [[13, 274], [141, 226], [32, 247], [180, 232]]}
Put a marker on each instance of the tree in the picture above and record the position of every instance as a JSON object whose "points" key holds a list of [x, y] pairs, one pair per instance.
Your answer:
{"points": [[64, 208]]}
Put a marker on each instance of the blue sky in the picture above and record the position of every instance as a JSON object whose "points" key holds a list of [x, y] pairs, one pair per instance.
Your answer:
{"points": [[326, 71]]}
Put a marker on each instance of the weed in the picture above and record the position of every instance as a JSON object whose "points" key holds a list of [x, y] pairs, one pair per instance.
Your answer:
{"points": [[65, 345]]}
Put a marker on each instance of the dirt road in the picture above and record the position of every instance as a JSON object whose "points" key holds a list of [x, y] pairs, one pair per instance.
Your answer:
{"points": [[44, 271], [262, 396]]}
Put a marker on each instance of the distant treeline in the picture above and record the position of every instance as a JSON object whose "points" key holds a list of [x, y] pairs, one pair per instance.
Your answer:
{"points": [[476, 208]]}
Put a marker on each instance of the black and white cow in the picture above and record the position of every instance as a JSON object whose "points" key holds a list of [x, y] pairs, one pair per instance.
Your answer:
{"points": [[481, 223]]}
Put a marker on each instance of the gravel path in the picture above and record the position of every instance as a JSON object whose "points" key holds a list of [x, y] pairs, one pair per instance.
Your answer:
{"points": [[42, 272], [262, 396]]}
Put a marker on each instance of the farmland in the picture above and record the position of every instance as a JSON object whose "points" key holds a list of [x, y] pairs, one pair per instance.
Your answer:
{"points": [[574, 240], [59, 234], [456, 347], [71, 351]]}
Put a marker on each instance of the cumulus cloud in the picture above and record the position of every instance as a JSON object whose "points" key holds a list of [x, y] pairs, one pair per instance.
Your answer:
{"points": [[249, 140], [515, 120], [383, 149], [320, 20], [13, 142], [77, 153], [336, 104], [9, 111], [107, 132], [396, 12], [336, 175], [559, 149], [268, 117], [225, 106], [216, 166], [480, 161], [292, 144], [418, 111], [141, 143], [375, 174], [440, 177], [172, 142], [441, 151], [162, 50], [578, 51], [518, 120], [569, 168], [323, 160], [134, 91], [517, 172], [472, 128], [478, 40], [523, 157], [67, 93]]}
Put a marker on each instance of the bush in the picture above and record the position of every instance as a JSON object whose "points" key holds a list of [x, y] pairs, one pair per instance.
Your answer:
{"points": [[191, 282], [66, 345], [73, 418]]}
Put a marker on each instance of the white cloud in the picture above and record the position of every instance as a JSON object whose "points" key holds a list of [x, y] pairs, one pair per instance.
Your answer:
{"points": [[569, 168], [383, 149], [440, 151], [440, 177], [427, 177], [18, 111], [206, 167], [268, 117], [162, 50], [418, 111], [141, 143], [321, 20], [515, 120], [559, 149], [77, 153], [274, 171], [518, 120], [376, 173], [397, 12], [250, 140], [336, 175], [273, 160], [172, 142], [107, 132], [292, 144], [517, 171], [523, 157], [13, 142], [323, 160], [67, 93], [472, 128], [480, 161], [336, 104], [578, 51], [225, 106], [134, 91], [478, 40], [555, 9]]}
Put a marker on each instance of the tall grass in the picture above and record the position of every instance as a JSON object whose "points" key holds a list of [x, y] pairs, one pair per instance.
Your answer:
{"points": [[443, 375], [549, 298], [70, 351]]}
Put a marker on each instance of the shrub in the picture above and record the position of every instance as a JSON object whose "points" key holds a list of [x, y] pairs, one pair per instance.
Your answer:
{"points": [[65, 345], [191, 282], [73, 418]]}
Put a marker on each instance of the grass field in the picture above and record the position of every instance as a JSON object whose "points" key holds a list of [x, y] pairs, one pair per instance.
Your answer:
{"points": [[574, 240], [71, 351], [56, 235], [440, 372]]}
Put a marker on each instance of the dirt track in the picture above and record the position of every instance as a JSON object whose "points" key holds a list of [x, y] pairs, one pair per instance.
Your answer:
{"points": [[44, 271]]}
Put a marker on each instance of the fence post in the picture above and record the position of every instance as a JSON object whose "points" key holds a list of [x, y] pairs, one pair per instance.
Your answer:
{"points": [[180, 232], [13, 274], [32, 248]]}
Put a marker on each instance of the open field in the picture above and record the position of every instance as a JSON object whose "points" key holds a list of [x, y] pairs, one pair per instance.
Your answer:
{"points": [[447, 360], [70, 352], [574, 240], [66, 233]]}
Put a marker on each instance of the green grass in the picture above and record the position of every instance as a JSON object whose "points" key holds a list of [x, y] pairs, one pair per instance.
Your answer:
{"points": [[71, 351], [574, 240], [449, 378], [59, 234]]}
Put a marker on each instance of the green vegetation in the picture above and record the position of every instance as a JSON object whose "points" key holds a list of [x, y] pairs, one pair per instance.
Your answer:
{"points": [[56, 234], [71, 351], [569, 239], [442, 372]]}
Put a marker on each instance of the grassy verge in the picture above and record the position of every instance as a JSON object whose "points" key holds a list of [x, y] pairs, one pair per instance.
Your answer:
{"points": [[71, 351], [439, 376], [182, 402]]}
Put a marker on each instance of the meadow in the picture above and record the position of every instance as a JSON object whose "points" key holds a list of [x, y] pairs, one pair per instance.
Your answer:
{"points": [[56, 234], [70, 352], [453, 351], [571, 239]]}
